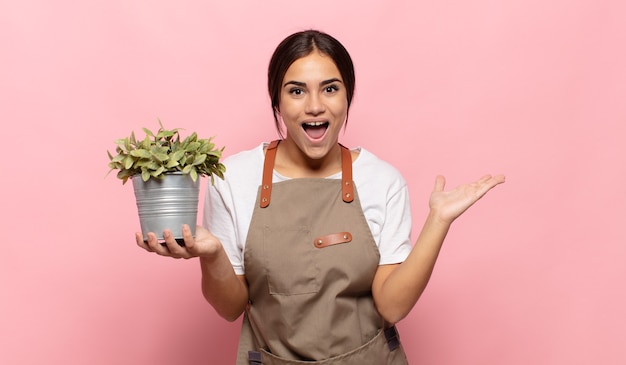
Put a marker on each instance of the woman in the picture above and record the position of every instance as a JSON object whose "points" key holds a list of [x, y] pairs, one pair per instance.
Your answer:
{"points": [[310, 240]]}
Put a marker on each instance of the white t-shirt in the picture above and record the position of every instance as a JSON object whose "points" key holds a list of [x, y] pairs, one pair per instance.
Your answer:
{"points": [[382, 191]]}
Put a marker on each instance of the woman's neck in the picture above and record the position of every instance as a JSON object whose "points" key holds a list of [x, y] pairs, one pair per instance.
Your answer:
{"points": [[293, 163]]}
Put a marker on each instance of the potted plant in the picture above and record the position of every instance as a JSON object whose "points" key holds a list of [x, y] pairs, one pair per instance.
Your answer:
{"points": [[164, 170]]}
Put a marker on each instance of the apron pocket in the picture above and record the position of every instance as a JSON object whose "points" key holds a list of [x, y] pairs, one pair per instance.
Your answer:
{"points": [[290, 270]]}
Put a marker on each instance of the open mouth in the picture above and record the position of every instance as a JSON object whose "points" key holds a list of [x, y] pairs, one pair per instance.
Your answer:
{"points": [[315, 130]]}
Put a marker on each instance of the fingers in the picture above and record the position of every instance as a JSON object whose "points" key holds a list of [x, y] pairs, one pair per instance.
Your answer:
{"points": [[168, 247], [174, 249], [484, 179], [440, 183], [152, 244], [486, 183], [499, 179], [190, 242], [491, 181], [474, 189], [140, 242]]}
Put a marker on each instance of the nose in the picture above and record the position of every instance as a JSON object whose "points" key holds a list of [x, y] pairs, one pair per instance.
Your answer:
{"points": [[314, 105]]}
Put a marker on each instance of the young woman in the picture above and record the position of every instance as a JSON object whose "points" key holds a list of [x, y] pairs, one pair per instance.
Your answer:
{"points": [[310, 240]]}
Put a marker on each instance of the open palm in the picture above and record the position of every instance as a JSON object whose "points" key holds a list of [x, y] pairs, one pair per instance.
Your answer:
{"points": [[449, 205]]}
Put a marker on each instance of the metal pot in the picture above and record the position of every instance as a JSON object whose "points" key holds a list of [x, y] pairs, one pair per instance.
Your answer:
{"points": [[169, 203]]}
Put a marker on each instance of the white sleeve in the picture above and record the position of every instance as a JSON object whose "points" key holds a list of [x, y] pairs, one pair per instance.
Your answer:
{"points": [[229, 203], [385, 201], [219, 219], [395, 233]]}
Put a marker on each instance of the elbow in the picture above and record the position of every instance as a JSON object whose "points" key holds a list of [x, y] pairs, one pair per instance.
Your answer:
{"points": [[392, 317], [230, 317], [393, 311], [228, 310], [229, 313]]}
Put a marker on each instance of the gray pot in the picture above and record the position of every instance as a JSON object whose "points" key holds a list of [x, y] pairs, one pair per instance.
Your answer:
{"points": [[167, 203]]}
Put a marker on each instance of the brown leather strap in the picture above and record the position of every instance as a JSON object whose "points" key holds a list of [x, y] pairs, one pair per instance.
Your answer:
{"points": [[268, 171], [332, 239], [347, 185]]}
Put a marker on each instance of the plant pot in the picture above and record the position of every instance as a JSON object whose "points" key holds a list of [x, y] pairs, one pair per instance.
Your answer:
{"points": [[167, 203]]}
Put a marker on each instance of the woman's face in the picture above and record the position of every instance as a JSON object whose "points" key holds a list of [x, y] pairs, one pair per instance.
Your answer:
{"points": [[313, 105]]}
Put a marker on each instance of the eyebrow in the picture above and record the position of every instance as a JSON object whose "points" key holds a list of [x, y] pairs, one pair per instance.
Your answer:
{"points": [[303, 84]]}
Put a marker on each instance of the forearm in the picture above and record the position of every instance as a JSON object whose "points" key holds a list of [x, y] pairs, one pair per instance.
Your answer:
{"points": [[397, 288], [398, 291], [221, 287]]}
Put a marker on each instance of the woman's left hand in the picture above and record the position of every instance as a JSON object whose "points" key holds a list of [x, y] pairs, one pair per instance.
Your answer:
{"points": [[449, 205]]}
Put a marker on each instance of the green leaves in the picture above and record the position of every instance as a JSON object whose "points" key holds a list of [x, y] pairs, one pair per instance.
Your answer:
{"points": [[162, 152], [140, 153]]}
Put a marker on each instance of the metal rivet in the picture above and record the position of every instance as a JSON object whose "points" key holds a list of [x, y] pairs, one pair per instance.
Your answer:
{"points": [[345, 236], [264, 200], [347, 182], [319, 242], [347, 195], [266, 187]]}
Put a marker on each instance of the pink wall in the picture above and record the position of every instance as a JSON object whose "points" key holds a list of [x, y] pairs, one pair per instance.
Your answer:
{"points": [[533, 89]]}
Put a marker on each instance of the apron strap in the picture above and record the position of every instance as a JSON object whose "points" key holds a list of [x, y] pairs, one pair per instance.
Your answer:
{"points": [[393, 340], [268, 170], [254, 358], [347, 185]]}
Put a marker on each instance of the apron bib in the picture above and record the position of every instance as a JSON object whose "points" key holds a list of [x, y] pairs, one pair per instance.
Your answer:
{"points": [[310, 260]]}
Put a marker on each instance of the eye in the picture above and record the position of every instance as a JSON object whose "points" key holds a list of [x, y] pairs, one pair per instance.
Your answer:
{"points": [[296, 91], [331, 88]]}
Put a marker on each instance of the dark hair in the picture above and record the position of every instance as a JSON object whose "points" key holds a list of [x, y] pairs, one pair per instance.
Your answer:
{"points": [[299, 45]]}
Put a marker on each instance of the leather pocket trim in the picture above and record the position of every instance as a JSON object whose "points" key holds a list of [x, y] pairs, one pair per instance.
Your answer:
{"points": [[332, 239]]}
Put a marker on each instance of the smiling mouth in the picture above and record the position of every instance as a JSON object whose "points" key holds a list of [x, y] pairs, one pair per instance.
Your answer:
{"points": [[315, 130]]}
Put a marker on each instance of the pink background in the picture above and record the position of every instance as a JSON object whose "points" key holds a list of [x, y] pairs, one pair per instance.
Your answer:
{"points": [[533, 274]]}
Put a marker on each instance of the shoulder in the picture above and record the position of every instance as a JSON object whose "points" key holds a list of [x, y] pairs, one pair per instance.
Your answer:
{"points": [[384, 198], [244, 166], [243, 174], [242, 160], [369, 169]]}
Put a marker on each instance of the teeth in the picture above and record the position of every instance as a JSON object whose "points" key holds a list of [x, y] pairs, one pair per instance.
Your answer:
{"points": [[315, 124]]}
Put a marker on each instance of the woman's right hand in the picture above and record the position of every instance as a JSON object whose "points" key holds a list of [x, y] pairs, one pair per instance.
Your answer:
{"points": [[204, 244], [226, 291]]}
